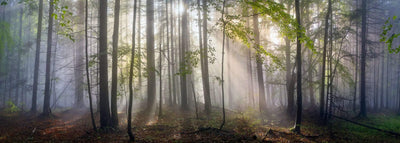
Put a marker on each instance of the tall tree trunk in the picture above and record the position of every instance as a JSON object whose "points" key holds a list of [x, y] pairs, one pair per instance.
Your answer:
{"points": [[356, 70], [387, 80], [382, 78], [322, 91], [222, 66], [46, 104], [168, 53], [184, 47], [114, 78], [289, 80], [228, 62], [375, 85], [37, 58], [298, 69], [259, 63], [87, 64], [311, 79], [17, 93], [204, 51], [363, 110], [151, 81], [78, 71], [131, 136], [103, 66], [179, 51], [53, 75], [173, 57], [139, 47], [160, 70], [250, 70]]}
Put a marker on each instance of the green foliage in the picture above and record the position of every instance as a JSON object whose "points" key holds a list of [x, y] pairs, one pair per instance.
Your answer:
{"points": [[389, 40], [358, 133], [235, 25], [11, 107], [190, 60], [345, 74], [6, 41], [4, 2], [63, 16]]}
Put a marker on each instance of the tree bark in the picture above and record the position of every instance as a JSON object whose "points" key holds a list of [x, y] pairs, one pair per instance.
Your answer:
{"points": [[103, 66], [322, 91], [114, 74], [298, 69], [46, 103], [222, 66], [289, 80], [129, 127], [363, 109], [204, 51], [37, 58], [184, 47], [151, 81], [87, 64], [168, 53], [17, 93], [259, 63], [78, 70]]}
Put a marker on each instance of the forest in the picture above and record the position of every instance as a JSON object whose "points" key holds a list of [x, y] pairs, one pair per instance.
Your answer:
{"points": [[199, 71]]}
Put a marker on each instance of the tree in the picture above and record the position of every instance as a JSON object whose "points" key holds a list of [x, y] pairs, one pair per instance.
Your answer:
{"points": [[183, 64], [322, 91], [222, 65], [87, 64], [78, 71], [168, 54], [17, 93], [131, 136], [151, 81], [114, 82], [139, 50], [173, 59], [363, 110], [356, 70], [46, 104], [37, 58], [204, 59], [298, 68], [259, 62], [103, 66], [160, 70], [289, 79]]}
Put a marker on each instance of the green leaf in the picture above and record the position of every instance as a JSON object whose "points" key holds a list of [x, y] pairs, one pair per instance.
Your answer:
{"points": [[55, 16]]}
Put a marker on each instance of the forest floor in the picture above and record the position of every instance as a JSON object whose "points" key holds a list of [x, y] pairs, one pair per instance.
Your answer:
{"points": [[183, 126]]}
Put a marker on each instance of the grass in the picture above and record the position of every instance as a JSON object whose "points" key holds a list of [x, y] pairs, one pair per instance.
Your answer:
{"points": [[349, 132]]}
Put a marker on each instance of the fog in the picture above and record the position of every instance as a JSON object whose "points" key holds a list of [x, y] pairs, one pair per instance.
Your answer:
{"points": [[342, 55]]}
